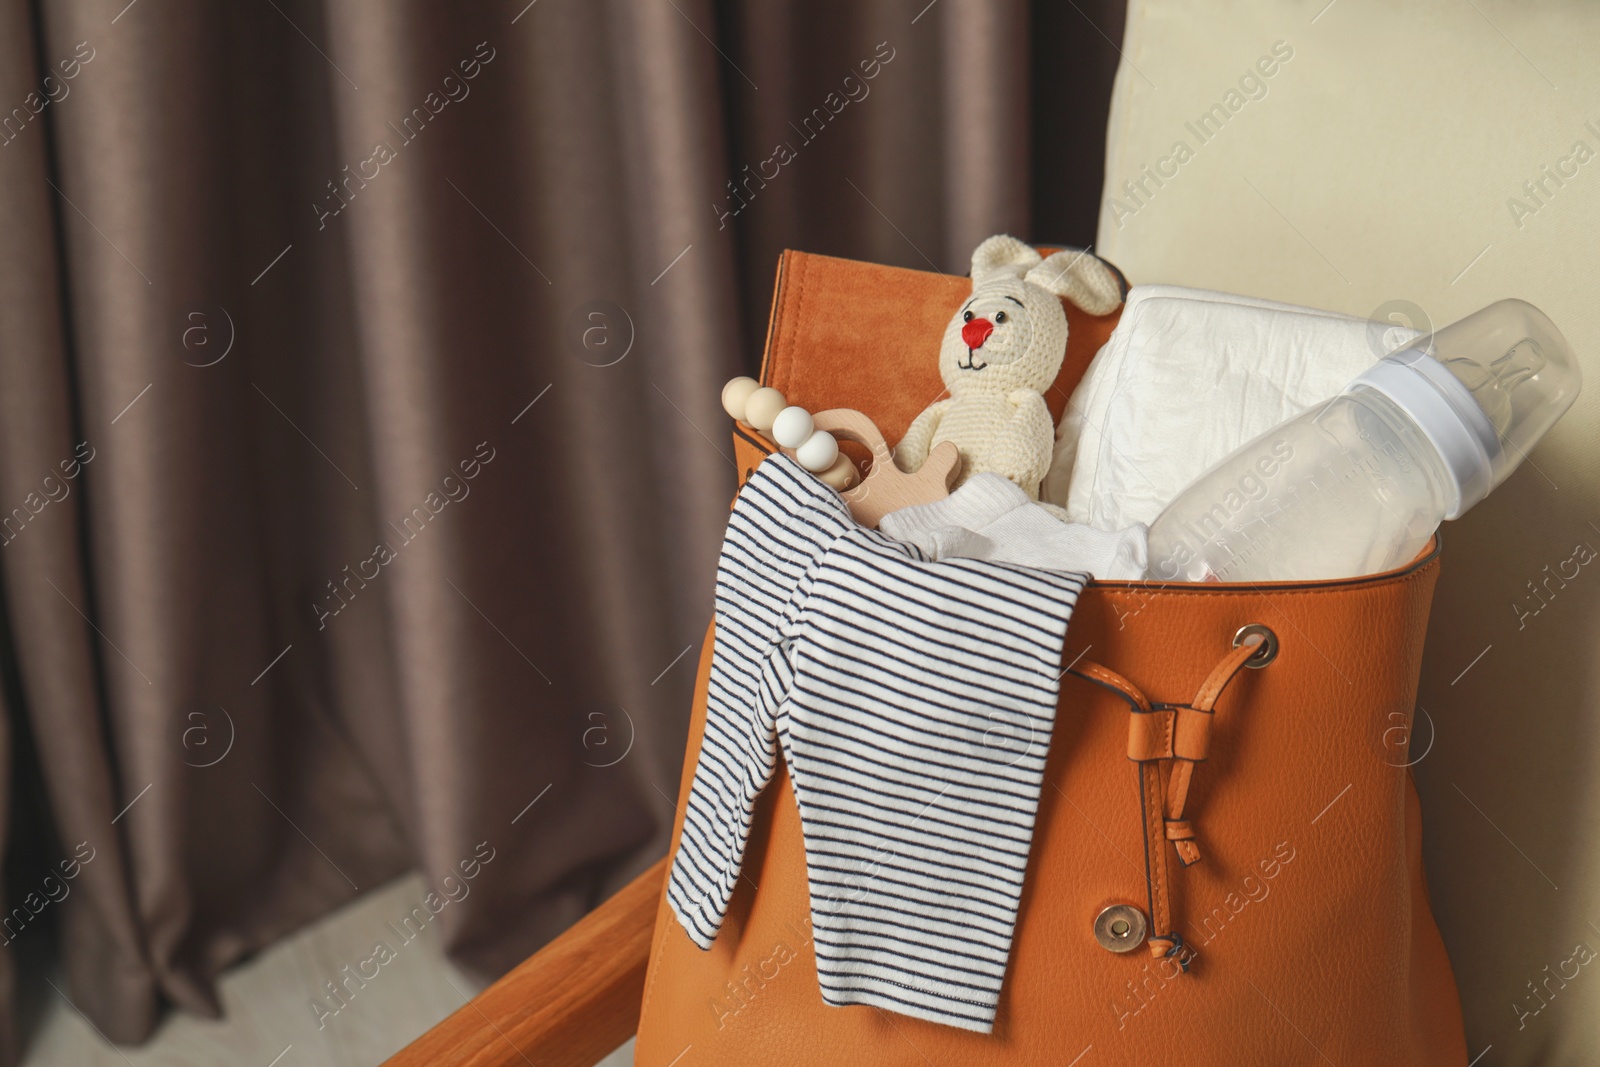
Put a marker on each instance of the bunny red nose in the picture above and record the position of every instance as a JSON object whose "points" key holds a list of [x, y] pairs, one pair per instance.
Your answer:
{"points": [[974, 333]]}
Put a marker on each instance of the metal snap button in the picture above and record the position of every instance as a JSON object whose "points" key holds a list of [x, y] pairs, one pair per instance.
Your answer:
{"points": [[1120, 928], [1266, 652]]}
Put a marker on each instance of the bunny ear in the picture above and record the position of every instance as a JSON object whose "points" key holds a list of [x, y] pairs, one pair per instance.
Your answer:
{"points": [[1001, 255], [1081, 277]]}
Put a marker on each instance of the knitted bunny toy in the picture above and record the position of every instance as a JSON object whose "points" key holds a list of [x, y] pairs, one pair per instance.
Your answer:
{"points": [[1001, 351]]}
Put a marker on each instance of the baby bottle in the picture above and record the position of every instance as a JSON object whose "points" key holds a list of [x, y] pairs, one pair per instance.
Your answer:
{"points": [[1359, 484]]}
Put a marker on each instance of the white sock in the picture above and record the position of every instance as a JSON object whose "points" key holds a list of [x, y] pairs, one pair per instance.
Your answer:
{"points": [[990, 518]]}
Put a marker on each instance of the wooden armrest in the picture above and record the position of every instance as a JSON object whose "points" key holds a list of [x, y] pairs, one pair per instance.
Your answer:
{"points": [[568, 1005]]}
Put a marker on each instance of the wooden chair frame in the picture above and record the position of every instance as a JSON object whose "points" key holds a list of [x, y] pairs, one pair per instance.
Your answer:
{"points": [[568, 1005]]}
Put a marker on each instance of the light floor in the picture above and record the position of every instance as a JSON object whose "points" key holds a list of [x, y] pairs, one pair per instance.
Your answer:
{"points": [[268, 1019]]}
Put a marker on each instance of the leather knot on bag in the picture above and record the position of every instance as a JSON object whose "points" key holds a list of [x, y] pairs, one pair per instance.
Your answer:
{"points": [[1166, 741]]}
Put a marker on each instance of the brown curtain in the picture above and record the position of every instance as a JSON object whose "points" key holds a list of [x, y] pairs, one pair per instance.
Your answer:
{"points": [[361, 465]]}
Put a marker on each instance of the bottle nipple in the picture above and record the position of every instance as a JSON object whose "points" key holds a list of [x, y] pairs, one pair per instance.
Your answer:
{"points": [[1492, 386]]}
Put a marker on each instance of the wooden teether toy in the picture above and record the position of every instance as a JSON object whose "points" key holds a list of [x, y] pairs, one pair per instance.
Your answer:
{"points": [[764, 408], [813, 442], [886, 487]]}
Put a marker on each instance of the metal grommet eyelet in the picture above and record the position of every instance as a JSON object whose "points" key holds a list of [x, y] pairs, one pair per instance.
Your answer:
{"points": [[1120, 928], [1266, 652]]}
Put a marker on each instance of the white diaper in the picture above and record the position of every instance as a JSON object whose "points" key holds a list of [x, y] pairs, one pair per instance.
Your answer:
{"points": [[1188, 376]]}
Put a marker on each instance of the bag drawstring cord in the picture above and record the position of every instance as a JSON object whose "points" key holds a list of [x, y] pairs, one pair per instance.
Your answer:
{"points": [[1181, 734]]}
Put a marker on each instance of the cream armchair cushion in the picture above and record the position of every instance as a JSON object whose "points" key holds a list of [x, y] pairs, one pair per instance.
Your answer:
{"points": [[1412, 163]]}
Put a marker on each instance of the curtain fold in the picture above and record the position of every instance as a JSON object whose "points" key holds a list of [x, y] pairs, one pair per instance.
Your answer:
{"points": [[362, 470]]}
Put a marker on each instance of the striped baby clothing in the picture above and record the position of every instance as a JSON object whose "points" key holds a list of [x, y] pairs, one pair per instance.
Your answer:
{"points": [[913, 701]]}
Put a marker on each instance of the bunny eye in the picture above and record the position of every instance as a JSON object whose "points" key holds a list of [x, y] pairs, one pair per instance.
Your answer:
{"points": [[999, 316], [966, 316]]}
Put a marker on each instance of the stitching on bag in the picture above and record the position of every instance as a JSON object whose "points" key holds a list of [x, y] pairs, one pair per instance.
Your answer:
{"points": [[1149, 889], [1400, 580], [780, 300], [1164, 737], [1152, 780], [799, 316]]}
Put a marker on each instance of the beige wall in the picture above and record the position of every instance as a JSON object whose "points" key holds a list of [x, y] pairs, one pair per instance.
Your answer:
{"points": [[1381, 167]]}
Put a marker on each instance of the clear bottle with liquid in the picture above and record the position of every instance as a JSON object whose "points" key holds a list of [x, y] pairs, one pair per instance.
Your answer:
{"points": [[1358, 485]]}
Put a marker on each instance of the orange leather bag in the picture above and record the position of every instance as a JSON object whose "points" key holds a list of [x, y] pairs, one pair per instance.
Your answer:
{"points": [[1264, 815]]}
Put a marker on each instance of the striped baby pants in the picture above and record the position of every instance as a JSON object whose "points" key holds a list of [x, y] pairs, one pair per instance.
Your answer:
{"points": [[913, 701]]}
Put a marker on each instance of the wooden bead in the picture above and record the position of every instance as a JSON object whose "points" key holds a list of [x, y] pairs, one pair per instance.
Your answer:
{"points": [[842, 475], [735, 393], [763, 406], [792, 426], [818, 453]]}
